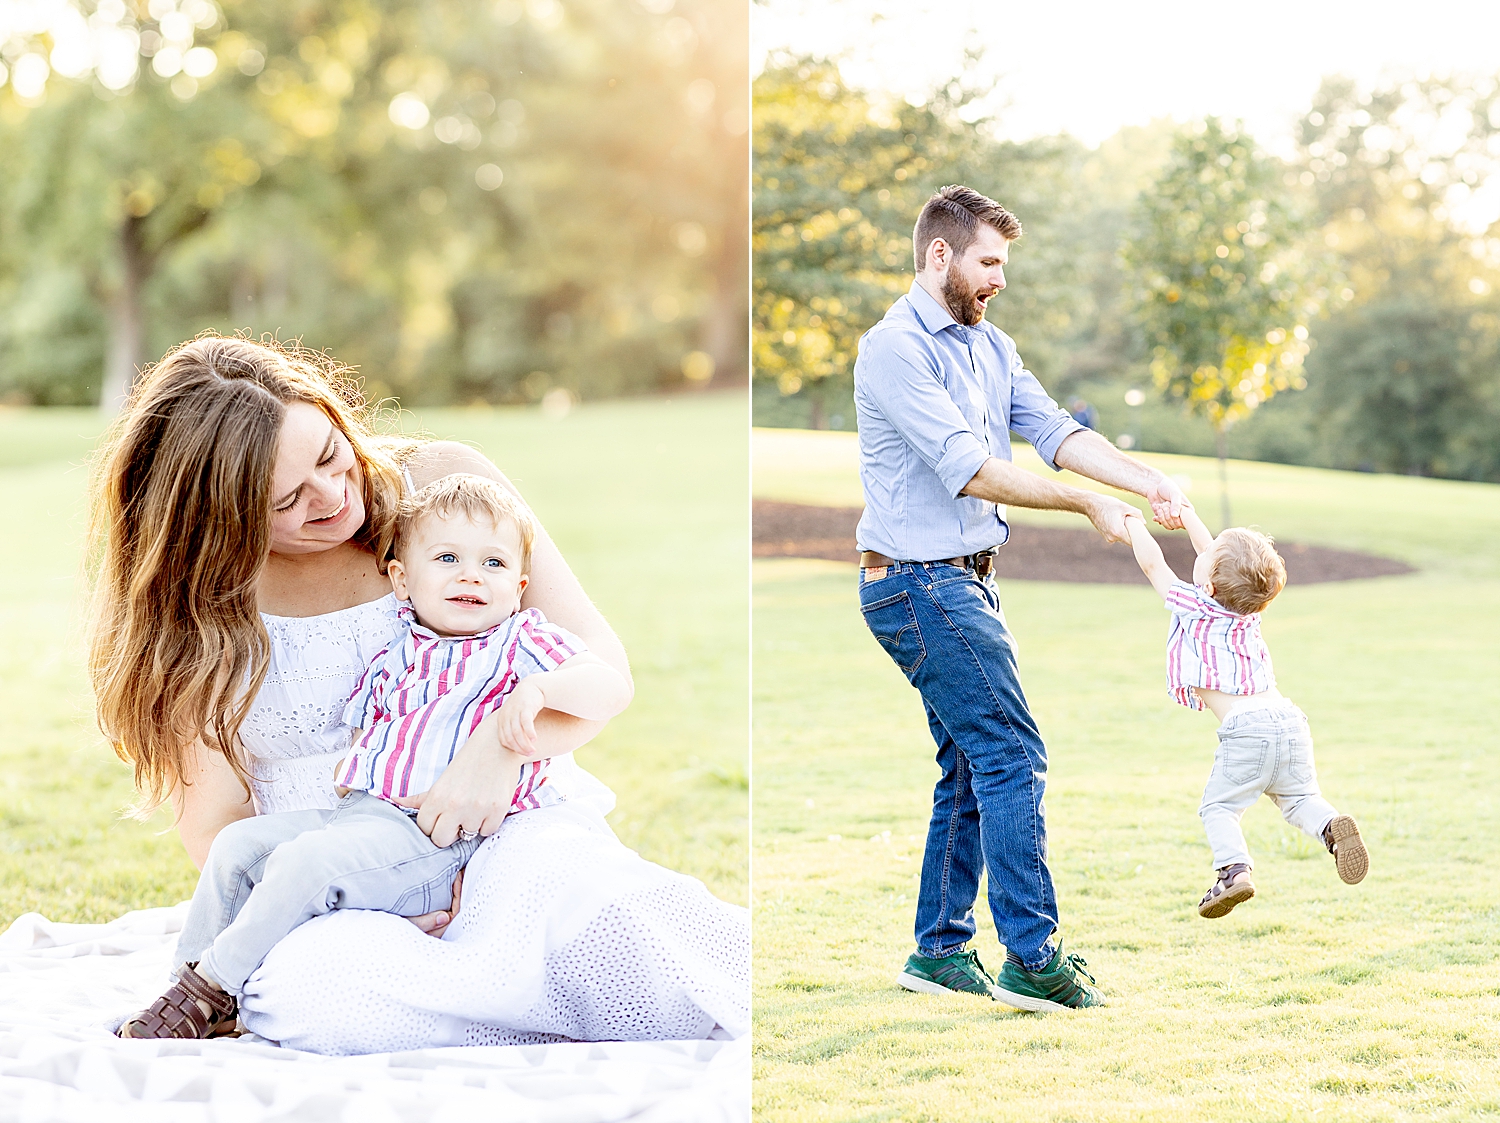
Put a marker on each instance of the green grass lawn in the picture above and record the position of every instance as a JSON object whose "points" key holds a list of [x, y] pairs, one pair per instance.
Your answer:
{"points": [[1315, 1000], [647, 500]]}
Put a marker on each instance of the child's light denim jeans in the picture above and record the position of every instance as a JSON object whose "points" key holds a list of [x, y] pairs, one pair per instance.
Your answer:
{"points": [[267, 874], [1265, 746]]}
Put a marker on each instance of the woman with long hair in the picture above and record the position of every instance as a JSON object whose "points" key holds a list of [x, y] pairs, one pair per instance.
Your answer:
{"points": [[243, 513]]}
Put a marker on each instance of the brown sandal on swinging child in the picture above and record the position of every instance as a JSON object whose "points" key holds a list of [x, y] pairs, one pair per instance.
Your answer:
{"points": [[1230, 888]]}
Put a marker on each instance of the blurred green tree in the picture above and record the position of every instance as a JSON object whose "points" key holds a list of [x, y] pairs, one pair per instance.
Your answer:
{"points": [[839, 178], [105, 190], [1406, 383], [1101, 341], [1404, 378], [1219, 280], [1408, 154], [466, 200]]}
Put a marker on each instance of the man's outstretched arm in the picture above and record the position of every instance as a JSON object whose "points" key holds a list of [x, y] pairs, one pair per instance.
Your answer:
{"points": [[999, 481], [1089, 454]]}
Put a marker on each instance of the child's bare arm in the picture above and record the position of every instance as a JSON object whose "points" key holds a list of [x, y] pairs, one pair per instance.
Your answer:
{"points": [[584, 686], [1197, 533], [1148, 554]]}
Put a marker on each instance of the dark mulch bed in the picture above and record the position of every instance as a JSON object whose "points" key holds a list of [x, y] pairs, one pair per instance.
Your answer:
{"points": [[791, 530]]}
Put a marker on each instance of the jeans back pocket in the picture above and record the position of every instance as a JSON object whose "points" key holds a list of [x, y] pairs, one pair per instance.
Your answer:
{"points": [[893, 622], [1299, 752], [1242, 754]]}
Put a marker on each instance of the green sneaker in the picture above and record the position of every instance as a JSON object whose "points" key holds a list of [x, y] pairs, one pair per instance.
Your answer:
{"points": [[1055, 987], [961, 972]]}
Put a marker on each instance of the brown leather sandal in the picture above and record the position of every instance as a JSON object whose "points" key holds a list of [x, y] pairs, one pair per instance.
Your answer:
{"points": [[177, 1013], [1232, 887]]}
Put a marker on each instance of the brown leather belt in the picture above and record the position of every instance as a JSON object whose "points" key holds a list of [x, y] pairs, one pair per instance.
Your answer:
{"points": [[982, 563]]}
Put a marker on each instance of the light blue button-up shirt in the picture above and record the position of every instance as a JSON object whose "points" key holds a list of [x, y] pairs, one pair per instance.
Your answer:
{"points": [[935, 400]]}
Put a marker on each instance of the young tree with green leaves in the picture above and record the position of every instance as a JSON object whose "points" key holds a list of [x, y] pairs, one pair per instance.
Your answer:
{"points": [[1219, 280]]}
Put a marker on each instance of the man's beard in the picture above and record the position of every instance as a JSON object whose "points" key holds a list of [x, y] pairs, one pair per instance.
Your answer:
{"points": [[963, 304]]}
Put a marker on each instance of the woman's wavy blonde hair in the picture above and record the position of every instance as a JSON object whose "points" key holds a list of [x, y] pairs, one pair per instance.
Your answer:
{"points": [[180, 533]]}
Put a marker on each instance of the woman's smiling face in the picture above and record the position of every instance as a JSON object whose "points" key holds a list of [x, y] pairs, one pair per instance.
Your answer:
{"points": [[317, 499]]}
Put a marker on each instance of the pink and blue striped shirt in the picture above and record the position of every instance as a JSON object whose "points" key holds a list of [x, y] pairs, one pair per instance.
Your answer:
{"points": [[1212, 647], [423, 695]]}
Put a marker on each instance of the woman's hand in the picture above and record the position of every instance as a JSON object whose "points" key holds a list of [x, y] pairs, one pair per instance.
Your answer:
{"points": [[436, 923], [474, 791]]}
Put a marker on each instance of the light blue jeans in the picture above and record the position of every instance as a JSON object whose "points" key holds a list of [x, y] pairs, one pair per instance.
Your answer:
{"points": [[1266, 750], [267, 874]]}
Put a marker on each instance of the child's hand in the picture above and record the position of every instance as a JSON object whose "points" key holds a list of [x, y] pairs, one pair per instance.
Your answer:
{"points": [[515, 721], [1168, 502]]}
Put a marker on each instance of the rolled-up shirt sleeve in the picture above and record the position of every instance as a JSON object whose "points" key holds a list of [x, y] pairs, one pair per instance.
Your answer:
{"points": [[908, 388], [1035, 416]]}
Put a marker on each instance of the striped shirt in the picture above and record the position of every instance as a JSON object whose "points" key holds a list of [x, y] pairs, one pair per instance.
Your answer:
{"points": [[1212, 647], [423, 695]]}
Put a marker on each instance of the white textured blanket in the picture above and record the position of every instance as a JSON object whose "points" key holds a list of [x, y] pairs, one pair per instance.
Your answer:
{"points": [[62, 986]]}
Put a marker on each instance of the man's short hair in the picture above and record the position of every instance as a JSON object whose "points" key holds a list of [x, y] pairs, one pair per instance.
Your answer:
{"points": [[1247, 572], [954, 215], [475, 498]]}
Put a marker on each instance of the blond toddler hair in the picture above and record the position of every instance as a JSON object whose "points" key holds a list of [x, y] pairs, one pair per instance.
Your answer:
{"points": [[474, 497], [1247, 571]]}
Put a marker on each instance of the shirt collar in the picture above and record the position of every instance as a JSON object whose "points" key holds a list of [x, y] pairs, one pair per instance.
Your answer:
{"points": [[934, 316], [1211, 607], [421, 631]]}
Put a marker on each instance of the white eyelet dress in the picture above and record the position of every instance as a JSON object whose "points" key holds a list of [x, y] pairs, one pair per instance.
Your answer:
{"points": [[562, 934]]}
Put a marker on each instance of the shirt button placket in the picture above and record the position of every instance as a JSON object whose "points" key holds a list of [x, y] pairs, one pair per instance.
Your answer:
{"points": [[967, 335], [984, 401]]}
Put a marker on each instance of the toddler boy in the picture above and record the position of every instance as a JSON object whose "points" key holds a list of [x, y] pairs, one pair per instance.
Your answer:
{"points": [[469, 655], [1217, 658]]}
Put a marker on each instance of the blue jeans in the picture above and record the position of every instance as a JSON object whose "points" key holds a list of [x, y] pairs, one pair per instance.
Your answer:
{"points": [[944, 628]]}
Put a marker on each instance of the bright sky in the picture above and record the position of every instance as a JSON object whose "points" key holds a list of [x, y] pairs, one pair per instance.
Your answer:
{"points": [[1089, 67]]}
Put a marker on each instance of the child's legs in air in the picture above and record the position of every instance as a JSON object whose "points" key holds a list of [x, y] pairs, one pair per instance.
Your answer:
{"points": [[1221, 812], [1236, 782], [1294, 788]]}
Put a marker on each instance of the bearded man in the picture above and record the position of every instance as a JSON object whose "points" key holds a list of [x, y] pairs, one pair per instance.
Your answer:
{"points": [[938, 392]]}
